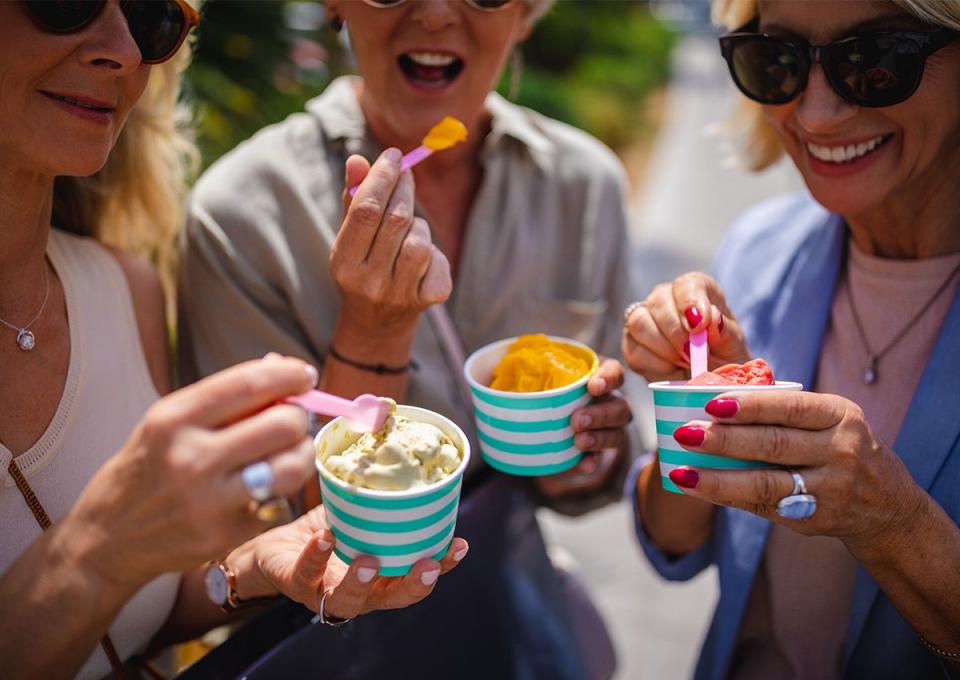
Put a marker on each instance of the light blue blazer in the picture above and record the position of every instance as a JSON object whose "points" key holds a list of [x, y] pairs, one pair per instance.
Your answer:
{"points": [[779, 268]]}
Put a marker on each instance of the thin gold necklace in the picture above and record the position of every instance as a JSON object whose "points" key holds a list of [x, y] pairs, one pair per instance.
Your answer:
{"points": [[873, 358], [26, 340]]}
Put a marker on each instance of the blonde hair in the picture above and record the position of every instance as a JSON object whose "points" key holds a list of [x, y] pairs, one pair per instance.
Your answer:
{"points": [[134, 201], [759, 141]]}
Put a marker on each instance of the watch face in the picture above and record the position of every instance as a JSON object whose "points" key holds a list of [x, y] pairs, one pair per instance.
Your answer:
{"points": [[216, 583]]}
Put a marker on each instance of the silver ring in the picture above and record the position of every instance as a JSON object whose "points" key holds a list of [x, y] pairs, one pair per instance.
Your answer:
{"points": [[334, 621], [258, 480], [800, 504], [631, 308]]}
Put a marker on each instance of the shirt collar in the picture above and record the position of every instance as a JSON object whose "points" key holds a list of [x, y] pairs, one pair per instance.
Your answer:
{"points": [[339, 114]]}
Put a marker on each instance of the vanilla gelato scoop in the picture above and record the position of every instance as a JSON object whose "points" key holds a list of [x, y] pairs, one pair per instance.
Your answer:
{"points": [[403, 455]]}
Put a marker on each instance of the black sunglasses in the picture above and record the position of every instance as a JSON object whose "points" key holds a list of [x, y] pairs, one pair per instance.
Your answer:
{"points": [[158, 27], [868, 69]]}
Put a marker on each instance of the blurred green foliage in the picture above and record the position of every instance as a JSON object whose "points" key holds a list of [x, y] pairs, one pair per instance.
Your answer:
{"points": [[590, 63]]}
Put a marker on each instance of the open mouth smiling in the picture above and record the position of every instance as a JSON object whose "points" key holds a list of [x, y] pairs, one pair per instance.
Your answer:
{"points": [[433, 70]]}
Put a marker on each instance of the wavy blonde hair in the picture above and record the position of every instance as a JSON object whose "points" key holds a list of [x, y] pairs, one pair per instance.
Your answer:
{"points": [[758, 139], [133, 202]]}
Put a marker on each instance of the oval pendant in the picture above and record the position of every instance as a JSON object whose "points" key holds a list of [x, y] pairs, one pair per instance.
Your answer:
{"points": [[26, 340], [870, 372]]}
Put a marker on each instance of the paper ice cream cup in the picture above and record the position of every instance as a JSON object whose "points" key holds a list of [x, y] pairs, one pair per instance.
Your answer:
{"points": [[397, 527], [525, 433], [674, 404]]}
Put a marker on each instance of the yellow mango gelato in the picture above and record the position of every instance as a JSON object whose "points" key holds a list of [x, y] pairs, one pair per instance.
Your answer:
{"points": [[445, 134], [403, 455], [534, 363]]}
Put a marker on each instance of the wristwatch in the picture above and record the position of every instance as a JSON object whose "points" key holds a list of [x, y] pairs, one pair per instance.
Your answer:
{"points": [[221, 585]]}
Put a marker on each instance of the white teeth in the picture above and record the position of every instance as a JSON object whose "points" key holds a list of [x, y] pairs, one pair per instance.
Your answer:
{"points": [[431, 58], [843, 154]]}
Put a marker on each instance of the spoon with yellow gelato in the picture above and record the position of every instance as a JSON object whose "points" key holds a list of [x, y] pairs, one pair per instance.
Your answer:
{"points": [[448, 132]]}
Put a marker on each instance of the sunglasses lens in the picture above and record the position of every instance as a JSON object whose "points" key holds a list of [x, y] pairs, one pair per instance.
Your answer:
{"points": [[876, 70], [63, 16], [767, 70], [156, 27]]}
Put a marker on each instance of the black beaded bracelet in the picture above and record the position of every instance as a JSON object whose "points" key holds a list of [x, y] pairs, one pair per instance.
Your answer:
{"points": [[379, 369]]}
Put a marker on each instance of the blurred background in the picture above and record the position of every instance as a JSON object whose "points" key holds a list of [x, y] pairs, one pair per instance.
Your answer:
{"points": [[645, 77]]}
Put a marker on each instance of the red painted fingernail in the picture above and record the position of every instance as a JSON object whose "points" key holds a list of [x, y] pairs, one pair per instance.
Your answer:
{"points": [[685, 478], [694, 317], [722, 408], [686, 348], [689, 435], [720, 325]]}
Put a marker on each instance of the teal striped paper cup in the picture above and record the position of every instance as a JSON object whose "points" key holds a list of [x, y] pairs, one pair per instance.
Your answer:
{"points": [[525, 433], [674, 404], [397, 527]]}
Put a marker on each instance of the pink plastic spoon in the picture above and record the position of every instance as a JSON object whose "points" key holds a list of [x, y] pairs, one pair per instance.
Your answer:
{"points": [[443, 135], [366, 413], [698, 354]]}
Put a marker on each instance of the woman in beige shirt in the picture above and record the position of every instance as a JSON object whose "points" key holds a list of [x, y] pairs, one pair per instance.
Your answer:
{"points": [[519, 229], [107, 514]]}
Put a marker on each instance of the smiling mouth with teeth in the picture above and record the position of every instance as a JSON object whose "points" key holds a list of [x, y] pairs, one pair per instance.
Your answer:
{"points": [[430, 69], [846, 154]]}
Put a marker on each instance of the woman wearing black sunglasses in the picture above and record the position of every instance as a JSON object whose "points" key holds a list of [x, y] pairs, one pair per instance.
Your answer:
{"points": [[106, 514], [526, 234], [841, 561]]}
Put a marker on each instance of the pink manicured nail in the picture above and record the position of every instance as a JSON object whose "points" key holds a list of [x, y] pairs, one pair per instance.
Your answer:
{"points": [[685, 478], [312, 374], [393, 155], [694, 317], [585, 420], [689, 435], [460, 554], [366, 574], [722, 408], [323, 545], [428, 578]]}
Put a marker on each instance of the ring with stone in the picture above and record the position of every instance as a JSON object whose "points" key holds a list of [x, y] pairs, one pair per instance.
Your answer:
{"points": [[631, 308], [258, 481], [800, 504]]}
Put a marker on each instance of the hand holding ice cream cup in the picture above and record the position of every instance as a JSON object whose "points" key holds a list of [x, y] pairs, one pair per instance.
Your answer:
{"points": [[681, 328], [525, 391], [680, 406], [393, 494]]}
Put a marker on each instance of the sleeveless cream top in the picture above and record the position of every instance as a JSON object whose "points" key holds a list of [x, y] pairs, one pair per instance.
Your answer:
{"points": [[107, 392]]}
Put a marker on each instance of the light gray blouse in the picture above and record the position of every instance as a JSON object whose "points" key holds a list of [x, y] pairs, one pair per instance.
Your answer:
{"points": [[545, 249]]}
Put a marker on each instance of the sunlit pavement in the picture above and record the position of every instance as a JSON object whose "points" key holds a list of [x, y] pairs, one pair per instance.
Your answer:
{"points": [[690, 197]]}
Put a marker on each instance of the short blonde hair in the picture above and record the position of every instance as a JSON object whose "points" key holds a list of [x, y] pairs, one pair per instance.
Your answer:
{"points": [[760, 143], [134, 201]]}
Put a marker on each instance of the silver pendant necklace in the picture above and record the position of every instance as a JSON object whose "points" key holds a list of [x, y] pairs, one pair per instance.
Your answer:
{"points": [[26, 340], [870, 371]]}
